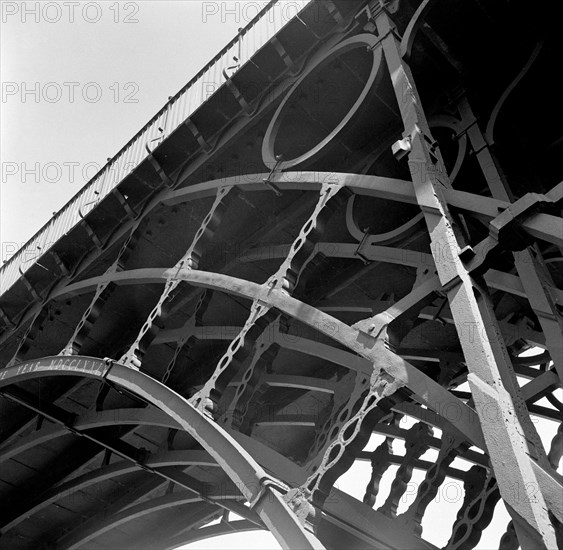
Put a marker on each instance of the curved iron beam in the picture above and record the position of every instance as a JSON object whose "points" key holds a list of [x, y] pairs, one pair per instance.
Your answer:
{"points": [[370, 250], [413, 27], [499, 280], [90, 420], [155, 417], [495, 279], [325, 351], [266, 456], [542, 226], [375, 186], [428, 392], [111, 471], [251, 479], [397, 234], [361, 521], [490, 130], [204, 332], [454, 124], [102, 525], [228, 332], [210, 531]]}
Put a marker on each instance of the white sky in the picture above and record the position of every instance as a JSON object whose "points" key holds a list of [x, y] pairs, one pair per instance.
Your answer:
{"points": [[134, 55], [126, 70]]}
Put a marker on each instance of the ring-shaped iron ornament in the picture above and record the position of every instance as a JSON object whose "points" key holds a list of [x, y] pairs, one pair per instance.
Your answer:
{"points": [[451, 123], [236, 462], [386, 238], [368, 41], [410, 226]]}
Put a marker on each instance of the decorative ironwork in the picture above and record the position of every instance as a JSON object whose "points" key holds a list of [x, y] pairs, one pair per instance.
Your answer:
{"points": [[344, 306]]}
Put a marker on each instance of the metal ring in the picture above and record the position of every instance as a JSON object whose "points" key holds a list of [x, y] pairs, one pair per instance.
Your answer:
{"points": [[362, 40]]}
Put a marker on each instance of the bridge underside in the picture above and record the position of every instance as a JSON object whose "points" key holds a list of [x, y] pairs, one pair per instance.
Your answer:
{"points": [[358, 239]]}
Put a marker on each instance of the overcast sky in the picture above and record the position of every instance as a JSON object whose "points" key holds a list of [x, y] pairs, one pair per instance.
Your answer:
{"points": [[78, 81]]}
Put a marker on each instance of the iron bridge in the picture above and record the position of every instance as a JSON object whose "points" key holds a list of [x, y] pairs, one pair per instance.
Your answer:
{"points": [[357, 237]]}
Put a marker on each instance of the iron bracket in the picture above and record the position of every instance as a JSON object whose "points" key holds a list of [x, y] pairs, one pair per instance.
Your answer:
{"points": [[157, 166], [265, 484], [29, 286], [299, 500], [123, 202], [88, 228], [505, 229], [267, 181], [6, 319], [206, 147], [360, 246], [366, 20], [233, 88], [334, 12], [282, 52], [60, 264]]}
